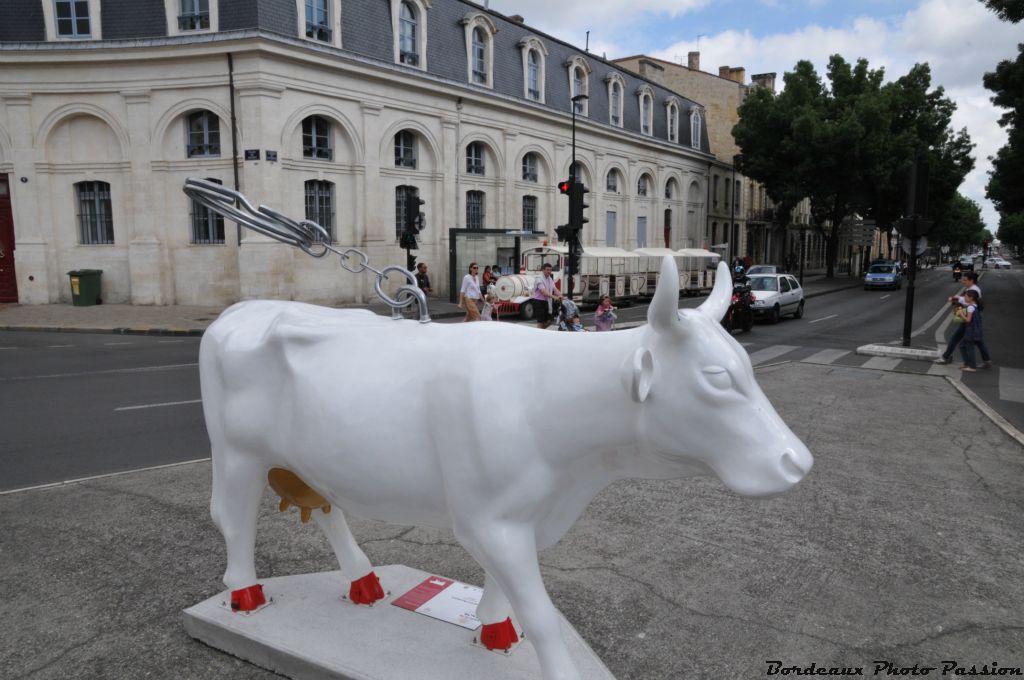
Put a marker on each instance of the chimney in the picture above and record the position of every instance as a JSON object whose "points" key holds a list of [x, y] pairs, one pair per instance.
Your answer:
{"points": [[765, 80], [518, 18], [693, 61], [738, 74], [723, 72]]}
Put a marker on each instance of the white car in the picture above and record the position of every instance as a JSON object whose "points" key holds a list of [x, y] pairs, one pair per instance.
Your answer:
{"points": [[776, 295]]}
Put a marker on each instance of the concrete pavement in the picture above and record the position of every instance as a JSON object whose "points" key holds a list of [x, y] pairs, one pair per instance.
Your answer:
{"points": [[901, 546], [193, 320]]}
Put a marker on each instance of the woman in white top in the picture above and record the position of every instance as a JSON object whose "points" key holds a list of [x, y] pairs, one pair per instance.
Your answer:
{"points": [[469, 295]]}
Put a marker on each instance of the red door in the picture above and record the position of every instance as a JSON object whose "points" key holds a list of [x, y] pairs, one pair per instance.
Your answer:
{"points": [[8, 282]]}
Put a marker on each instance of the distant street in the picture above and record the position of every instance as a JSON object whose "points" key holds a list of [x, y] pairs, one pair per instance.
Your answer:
{"points": [[84, 404]]}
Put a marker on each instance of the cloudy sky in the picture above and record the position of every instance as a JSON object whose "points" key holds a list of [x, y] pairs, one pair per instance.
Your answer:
{"points": [[960, 39]]}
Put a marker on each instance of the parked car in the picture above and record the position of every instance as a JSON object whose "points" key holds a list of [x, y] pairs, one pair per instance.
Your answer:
{"points": [[883, 275], [776, 295], [997, 263]]}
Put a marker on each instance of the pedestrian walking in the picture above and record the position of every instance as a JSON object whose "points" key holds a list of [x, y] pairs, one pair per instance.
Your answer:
{"points": [[545, 294], [971, 279], [604, 315], [469, 294], [971, 316], [422, 278]]}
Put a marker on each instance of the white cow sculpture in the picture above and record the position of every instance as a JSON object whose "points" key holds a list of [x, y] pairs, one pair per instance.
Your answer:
{"points": [[387, 420]]}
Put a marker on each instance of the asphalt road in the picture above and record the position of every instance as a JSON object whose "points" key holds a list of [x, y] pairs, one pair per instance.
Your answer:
{"points": [[77, 405]]}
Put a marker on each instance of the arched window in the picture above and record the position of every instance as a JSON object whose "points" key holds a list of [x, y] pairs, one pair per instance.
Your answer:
{"points": [[612, 181], [530, 167], [646, 110], [533, 75], [480, 30], [695, 123], [405, 149], [672, 118], [475, 164], [479, 57], [534, 53], [320, 206], [316, 138], [318, 20], [203, 131], [579, 83], [207, 225], [95, 213], [616, 105], [671, 190], [408, 34], [642, 185]]}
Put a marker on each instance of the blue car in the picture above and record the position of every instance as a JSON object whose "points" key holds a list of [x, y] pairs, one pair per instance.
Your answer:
{"points": [[885, 275]]}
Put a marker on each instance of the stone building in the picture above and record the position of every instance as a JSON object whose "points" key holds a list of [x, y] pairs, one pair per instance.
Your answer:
{"points": [[330, 109], [756, 230]]}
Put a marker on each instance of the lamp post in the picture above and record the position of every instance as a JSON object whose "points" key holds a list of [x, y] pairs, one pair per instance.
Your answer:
{"points": [[733, 236]]}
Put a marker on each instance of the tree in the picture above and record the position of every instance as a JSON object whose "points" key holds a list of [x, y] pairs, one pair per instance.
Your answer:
{"points": [[959, 224], [1011, 230], [849, 147], [1007, 175], [1008, 10]]}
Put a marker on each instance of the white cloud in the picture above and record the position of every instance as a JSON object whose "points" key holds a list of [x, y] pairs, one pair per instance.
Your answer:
{"points": [[959, 39]]}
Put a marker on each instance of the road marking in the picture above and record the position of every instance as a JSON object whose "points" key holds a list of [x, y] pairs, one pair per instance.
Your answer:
{"points": [[770, 353], [109, 474], [883, 363], [143, 369], [826, 356], [166, 403], [824, 318], [1011, 384], [111, 344], [8, 348], [58, 346], [170, 342], [885, 296]]}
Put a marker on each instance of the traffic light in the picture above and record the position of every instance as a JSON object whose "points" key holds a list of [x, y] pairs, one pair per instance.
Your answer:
{"points": [[408, 240], [564, 232], [577, 206], [412, 211], [565, 187]]}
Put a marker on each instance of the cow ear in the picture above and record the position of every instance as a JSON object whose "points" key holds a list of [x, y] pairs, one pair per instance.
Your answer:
{"points": [[663, 314], [638, 375]]}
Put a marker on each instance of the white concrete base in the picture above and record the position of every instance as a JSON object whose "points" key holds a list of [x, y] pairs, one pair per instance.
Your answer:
{"points": [[897, 352], [311, 633]]}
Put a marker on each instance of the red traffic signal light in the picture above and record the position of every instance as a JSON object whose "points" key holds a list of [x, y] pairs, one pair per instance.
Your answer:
{"points": [[564, 187]]}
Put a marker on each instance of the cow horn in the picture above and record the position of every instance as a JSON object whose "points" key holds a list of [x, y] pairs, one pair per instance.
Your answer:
{"points": [[718, 301], [663, 314]]}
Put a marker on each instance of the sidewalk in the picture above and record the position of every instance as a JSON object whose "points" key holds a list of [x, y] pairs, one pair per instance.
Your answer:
{"points": [[193, 320], [900, 547]]}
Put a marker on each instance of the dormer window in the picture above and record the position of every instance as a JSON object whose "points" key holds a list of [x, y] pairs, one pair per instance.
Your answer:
{"points": [[534, 54], [672, 119], [695, 127], [480, 32], [646, 96], [579, 84], [409, 23], [318, 20], [195, 15], [616, 86], [72, 19]]}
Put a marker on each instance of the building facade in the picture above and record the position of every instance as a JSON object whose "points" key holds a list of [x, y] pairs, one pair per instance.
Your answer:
{"points": [[333, 110], [742, 221]]}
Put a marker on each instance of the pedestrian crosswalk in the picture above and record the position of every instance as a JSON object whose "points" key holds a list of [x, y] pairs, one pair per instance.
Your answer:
{"points": [[1010, 380]]}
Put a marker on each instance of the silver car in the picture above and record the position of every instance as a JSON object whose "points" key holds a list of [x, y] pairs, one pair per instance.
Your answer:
{"points": [[776, 295]]}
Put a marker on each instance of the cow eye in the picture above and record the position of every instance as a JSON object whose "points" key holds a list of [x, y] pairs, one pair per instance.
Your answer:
{"points": [[718, 377]]}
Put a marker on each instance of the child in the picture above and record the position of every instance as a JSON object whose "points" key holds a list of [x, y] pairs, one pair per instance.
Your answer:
{"points": [[604, 315], [972, 330], [487, 313]]}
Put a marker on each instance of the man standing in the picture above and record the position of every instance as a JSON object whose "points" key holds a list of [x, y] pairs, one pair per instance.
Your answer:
{"points": [[545, 295], [422, 279], [971, 278], [469, 295]]}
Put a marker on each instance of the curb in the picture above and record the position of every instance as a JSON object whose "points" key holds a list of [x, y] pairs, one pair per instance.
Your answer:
{"points": [[976, 401], [897, 352], [177, 332]]}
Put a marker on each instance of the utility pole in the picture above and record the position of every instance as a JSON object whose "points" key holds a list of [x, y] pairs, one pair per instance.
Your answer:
{"points": [[913, 227]]}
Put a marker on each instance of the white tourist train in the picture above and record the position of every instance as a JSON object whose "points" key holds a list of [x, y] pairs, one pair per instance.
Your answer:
{"points": [[624, 275]]}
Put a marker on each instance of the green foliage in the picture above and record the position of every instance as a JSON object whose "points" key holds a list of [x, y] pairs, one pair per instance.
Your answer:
{"points": [[1007, 175], [1011, 229], [959, 224], [849, 146], [1008, 10]]}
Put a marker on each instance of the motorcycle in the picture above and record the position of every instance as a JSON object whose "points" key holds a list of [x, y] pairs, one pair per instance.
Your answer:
{"points": [[741, 307], [957, 271]]}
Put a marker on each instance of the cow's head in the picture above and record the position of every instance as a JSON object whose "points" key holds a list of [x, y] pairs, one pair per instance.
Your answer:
{"points": [[700, 401]]}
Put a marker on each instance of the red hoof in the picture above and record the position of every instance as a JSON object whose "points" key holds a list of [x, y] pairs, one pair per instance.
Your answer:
{"points": [[247, 599], [366, 590], [499, 635]]}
